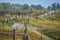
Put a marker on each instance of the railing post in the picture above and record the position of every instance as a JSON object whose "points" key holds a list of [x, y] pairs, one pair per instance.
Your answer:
{"points": [[13, 34], [25, 36]]}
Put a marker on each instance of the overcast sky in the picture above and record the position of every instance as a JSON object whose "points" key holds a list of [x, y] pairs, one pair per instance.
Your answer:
{"points": [[44, 3]]}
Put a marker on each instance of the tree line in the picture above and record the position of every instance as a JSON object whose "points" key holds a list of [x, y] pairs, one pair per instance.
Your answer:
{"points": [[8, 6], [54, 6]]}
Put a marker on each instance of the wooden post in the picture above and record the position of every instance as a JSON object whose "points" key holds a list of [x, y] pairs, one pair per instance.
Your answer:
{"points": [[13, 34], [25, 36]]}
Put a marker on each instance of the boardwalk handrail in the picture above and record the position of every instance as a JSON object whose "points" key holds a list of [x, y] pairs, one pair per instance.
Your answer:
{"points": [[9, 33]]}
